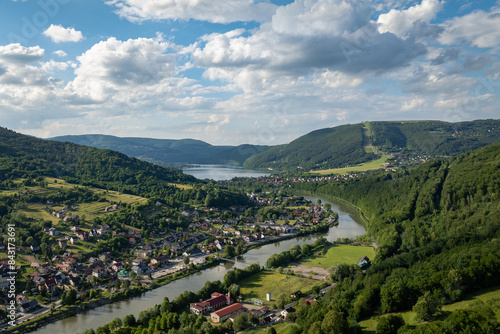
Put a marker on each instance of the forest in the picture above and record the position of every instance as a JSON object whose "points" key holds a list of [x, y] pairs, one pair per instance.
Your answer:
{"points": [[437, 229]]}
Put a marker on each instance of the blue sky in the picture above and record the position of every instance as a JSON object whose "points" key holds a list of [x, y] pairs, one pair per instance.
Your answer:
{"points": [[243, 71]]}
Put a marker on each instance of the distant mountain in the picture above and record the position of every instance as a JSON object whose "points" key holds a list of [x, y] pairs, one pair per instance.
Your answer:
{"points": [[352, 144], [169, 151], [25, 157]]}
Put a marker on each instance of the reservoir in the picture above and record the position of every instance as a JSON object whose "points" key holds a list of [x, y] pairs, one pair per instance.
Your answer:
{"points": [[348, 228], [221, 172]]}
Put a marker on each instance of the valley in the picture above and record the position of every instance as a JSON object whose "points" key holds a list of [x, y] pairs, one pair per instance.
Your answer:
{"points": [[96, 227]]}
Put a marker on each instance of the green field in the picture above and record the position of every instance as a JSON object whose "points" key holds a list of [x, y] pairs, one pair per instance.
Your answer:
{"points": [[281, 328], [93, 209], [338, 254], [263, 282], [370, 165], [490, 297]]}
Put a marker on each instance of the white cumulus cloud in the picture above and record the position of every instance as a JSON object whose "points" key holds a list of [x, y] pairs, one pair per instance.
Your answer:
{"points": [[399, 22], [60, 34], [113, 65], [221, 11], [479, 28]]}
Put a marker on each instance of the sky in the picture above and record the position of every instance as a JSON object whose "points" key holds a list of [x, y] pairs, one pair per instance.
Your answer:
{"points": [[243, 71]]}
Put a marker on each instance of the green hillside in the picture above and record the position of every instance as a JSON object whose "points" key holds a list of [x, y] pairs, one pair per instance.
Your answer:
{"points": [[348, 145], [27, 157], [438, 232], [168, 151], [320, 149]]}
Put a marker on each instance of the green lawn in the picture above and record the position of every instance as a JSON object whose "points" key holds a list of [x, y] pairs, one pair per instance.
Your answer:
{"points": [[281, 328], [338, 254], [370, 165], [490, 297], [256, 286]]}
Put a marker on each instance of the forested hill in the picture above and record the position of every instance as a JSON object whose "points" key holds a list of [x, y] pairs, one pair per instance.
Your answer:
{"points": [[325, 148], [351, 144], [169, 151], [438, 233], [23, 156]]}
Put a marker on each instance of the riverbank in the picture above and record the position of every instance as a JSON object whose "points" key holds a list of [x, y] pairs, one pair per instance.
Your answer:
{"points": [[68, 311]]}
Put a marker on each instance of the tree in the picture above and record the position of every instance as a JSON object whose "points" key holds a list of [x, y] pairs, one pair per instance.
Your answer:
{"points": [[389, 324], [234, 289], [281, 301], [334, 322], [186, 260], [271, 330], [427, 306], [229, 252], [129, 320], [240, 322]]}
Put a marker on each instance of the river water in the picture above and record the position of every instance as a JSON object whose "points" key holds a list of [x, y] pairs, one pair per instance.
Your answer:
{"points": [[221, 172], [348, 228]]}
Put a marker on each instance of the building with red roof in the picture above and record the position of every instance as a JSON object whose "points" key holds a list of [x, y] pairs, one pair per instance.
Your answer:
{"points": [[226, 312]]}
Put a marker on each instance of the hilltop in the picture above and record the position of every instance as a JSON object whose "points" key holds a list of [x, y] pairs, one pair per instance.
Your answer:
{"points": [[323, 149], [24, 156], [168, 151], [348, 145]]}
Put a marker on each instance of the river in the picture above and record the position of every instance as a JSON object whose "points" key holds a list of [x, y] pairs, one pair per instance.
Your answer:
{"points": [[347, 228], [221, 172]]}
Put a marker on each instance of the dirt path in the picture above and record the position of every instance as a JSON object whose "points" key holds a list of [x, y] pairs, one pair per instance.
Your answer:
{"points": [[317, 273]]}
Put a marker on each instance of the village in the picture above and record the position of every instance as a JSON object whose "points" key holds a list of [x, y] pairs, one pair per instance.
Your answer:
{"points": [[137, 259]]}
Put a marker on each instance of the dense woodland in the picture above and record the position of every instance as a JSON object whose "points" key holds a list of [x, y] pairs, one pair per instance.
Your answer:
{"points": [[438, 233], [348, 144], [325, 148]]}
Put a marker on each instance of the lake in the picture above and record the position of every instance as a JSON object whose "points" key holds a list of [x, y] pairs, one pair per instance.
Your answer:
{"points": [[221, 172]]}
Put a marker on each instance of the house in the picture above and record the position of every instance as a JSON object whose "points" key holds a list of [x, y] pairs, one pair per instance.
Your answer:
{"points": [[286, 312], [73, 240], [83, 236], [60, 278], [74, 280], [261, 311], [44, 268], [99, 272], [131, 241], [28, 306], [296, 294], [227, 312], [138, 270], [363, 262], [117, 266], [142, 253], [192, 252], [62, 243], [50, 285], [138, 262], [35, 248], [53, 231], [75, 228], [160, 260], [105, 256], [123, 273], [21, 299]]}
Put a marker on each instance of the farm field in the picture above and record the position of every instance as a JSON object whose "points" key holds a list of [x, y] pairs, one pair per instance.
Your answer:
{"points": [[370, 165], [338, 254], [490, 297], [93, 209], [275, 283]]}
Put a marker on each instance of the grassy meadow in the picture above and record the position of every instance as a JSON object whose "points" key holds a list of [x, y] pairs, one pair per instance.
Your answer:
{"points": [[256, 286], [338, 254]]}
